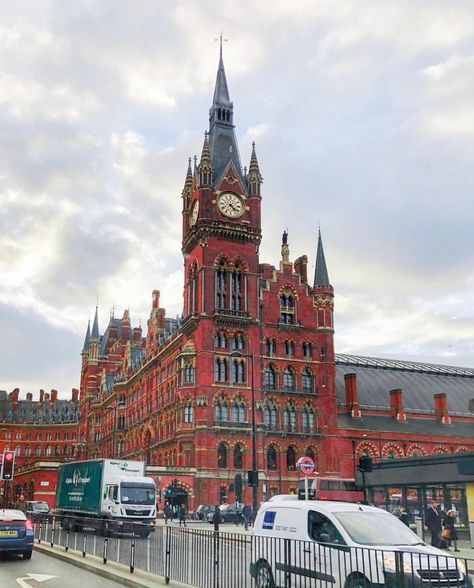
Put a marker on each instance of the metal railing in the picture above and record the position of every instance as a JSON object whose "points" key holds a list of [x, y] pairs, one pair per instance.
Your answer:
{"points": [[217, 559]]}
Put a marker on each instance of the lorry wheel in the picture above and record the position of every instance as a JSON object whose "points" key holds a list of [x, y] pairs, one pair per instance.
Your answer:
{"points": [[264, 576], [143, 534]]}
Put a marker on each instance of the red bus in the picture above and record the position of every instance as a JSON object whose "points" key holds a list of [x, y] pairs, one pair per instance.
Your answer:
{"points": [[321, 488]]}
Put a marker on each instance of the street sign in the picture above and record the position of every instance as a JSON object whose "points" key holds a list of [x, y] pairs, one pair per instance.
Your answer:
{"points": [[305, 465]]}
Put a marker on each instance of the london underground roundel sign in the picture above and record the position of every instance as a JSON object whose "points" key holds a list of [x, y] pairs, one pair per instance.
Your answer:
{"points": [[305, 464]]}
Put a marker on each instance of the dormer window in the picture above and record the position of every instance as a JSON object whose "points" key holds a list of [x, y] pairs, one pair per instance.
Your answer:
{"points": [[287, 307]]}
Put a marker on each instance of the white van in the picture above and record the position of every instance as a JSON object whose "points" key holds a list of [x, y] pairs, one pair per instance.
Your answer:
{"points": [[311, 543]]}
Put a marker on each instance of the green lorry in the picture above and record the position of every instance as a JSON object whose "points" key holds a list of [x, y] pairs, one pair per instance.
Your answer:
{"points": [[109, 495]]}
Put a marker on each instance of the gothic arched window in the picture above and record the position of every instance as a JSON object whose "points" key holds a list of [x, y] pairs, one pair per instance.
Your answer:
{"points": [[220, 410], [272, 463], [188, 413], [222, 456], [287, 307], [238, 411], [236, 288], [308, 419], [307, 380], [270, 415], [238, 457], [291, 459], [289, 418], [289, 379], [220, 369], [270, 378], [221, 280]]}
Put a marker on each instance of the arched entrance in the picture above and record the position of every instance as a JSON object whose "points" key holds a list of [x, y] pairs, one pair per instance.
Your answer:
{"points": [[176, 495]]}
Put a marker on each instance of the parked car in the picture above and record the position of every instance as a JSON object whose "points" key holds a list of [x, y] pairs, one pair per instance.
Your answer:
{"points": [[16, 533], [230, 511], [204, 510], [344, 545], [38, 510]]}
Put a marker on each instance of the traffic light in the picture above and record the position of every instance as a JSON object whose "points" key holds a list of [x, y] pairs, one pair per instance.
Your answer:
{"points": [[8, 465], [252, 478], [365, 463]]}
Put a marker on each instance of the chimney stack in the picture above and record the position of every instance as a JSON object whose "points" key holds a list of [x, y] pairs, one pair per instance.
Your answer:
{"points": [[301, 266], [396, 405], [352, 400], [54, 396], [75, 395], [441, 409]]}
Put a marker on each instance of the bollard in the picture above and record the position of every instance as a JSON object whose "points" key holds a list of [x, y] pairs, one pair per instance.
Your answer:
{"points": [[419, 528]]}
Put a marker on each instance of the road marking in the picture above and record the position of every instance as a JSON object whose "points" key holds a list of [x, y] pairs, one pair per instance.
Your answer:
{"points": [[36, 577]]}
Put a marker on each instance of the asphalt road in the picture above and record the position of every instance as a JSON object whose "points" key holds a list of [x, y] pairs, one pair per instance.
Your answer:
{"points": [[47, 572]]}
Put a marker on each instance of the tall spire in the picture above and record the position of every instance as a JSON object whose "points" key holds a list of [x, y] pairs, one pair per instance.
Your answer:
{"points": [[205, 165], [87, 338], [221, 91], [222, 140], [254, 177], [188, 182], [95, 326], [321, 277]]}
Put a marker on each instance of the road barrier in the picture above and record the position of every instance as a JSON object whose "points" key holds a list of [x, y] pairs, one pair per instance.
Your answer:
{"points": [[216, 559]]}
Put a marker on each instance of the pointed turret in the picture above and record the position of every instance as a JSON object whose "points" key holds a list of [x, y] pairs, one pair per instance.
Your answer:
{"points": [[254, 177], [95, 327], [85, 347], [321, 277], [188, 187], [205, 165]]}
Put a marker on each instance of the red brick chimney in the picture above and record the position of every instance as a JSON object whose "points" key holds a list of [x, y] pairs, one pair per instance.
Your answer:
{"points": [[352, 400], [75, 395], [301, 267], [396, 405], [29, 396], [441, 409], [156, 299], [54, 396], [41, 400]]}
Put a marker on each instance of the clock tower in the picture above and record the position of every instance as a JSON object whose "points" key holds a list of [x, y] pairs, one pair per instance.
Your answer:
{"points": [[221, 220]]}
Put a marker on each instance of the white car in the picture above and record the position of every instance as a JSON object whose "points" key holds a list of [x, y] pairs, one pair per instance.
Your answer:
{"points": [[301, 543]]}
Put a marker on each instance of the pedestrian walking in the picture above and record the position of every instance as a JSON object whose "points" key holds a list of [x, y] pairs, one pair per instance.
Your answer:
{"points": [[246, 513], [404, 516], [168, 513], [449, 533], [433, 522], [217, 518], [182, 515]]}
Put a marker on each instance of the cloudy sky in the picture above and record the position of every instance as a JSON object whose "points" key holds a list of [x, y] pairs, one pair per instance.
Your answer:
{"points": [[363, 116]]}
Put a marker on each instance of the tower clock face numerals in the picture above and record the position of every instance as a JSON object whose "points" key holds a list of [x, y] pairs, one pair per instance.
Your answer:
{"points": [[230, 205], [194, 213]]}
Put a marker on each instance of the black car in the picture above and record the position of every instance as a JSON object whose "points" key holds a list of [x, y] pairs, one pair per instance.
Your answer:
{"points": [[231, 512], [205, 511], [38, 511]]}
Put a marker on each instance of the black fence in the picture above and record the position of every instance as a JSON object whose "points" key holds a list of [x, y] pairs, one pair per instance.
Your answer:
{"points": [[209, 559]]}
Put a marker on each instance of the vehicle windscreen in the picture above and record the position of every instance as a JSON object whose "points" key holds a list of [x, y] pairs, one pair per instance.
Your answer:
{"points": [[373, 528], [136, 494], [40, 506]]}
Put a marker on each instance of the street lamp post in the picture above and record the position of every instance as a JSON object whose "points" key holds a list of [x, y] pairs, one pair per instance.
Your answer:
{"points": [[117, 404], [237, 353]]}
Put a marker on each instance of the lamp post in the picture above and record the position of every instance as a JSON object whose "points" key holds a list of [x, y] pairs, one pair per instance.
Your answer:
{"points": [[117, 404], [237, 353]]}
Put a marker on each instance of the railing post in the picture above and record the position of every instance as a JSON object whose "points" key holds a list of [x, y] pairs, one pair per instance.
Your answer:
{"points": [[84, 545], [168, 555], [52, 532], [216, 560], [132, 555], [106, 546], [287, 550], [399, 572], [39, 531]]}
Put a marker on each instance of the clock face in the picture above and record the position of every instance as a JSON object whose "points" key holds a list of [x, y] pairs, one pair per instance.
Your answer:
{"points": [[230, 205], [194, 213]]}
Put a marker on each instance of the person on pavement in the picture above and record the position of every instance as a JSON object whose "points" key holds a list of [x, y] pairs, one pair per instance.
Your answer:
{"points": [[20, 504], [168, 513], [246, 513], [182, 515], [452, 535], [217, 518], [433, 522]]}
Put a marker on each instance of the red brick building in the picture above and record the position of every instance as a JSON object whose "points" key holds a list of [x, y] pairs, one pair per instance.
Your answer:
{"points": [[179, 396]]}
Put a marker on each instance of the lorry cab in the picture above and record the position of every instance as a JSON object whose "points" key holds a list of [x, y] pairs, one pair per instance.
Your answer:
{"points": [[314, 543], [129, 496]]}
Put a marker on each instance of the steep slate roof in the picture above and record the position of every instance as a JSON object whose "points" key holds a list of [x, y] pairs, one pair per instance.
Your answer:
{"points": [[29, 411], [410, 426], [419, 383]]}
